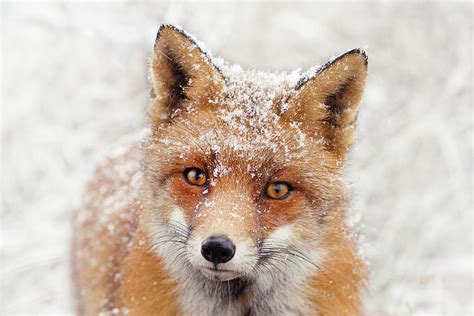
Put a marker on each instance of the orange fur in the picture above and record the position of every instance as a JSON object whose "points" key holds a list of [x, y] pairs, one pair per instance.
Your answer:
{"points": [[119, 262], [146, 289], [336, 290]]}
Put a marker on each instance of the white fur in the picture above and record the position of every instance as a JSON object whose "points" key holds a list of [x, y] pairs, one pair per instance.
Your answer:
{"points": [[288, 284], [177, 215], [283, 233], [273, 292], [158, 230]]}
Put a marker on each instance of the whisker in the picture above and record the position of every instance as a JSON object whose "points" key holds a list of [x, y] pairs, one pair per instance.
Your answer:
{"points": [[279, 255]]}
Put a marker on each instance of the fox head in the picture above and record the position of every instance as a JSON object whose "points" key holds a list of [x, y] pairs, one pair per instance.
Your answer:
{"points": [[243, 168]]}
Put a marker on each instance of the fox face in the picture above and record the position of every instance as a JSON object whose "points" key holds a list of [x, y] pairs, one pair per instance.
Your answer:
{"points": [[242, 170]]}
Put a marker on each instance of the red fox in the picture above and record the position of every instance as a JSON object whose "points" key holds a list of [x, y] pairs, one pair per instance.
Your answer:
{"points": [[233, 203]]}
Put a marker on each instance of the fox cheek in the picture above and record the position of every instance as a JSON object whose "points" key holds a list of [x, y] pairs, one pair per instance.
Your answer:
{"points": [[177, 216]]}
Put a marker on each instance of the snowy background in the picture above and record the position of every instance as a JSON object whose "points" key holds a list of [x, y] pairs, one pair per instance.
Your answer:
{"points": [[74, 80]]}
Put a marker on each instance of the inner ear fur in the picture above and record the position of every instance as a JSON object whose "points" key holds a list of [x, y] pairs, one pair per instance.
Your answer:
{"points": [[181, 74], [326, 104]]}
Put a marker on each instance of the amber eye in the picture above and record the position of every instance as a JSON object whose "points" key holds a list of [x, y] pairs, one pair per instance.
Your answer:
{"points": [[277, 190], [195, 176]]}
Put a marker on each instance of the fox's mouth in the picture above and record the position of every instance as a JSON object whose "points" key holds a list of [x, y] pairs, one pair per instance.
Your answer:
{"points": [[219, 274]]}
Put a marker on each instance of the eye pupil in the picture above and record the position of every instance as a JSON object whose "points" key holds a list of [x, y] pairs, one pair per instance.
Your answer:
{"points": [[277, 190], [195, 176]]}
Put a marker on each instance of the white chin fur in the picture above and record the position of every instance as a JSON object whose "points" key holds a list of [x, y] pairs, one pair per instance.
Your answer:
{"points": [[217, 275]]}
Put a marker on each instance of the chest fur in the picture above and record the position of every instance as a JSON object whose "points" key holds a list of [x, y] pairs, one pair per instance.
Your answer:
{"points": [[203, 297]]}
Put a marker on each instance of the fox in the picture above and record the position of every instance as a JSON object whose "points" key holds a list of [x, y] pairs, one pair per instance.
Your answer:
{"points": [[232, 201]]}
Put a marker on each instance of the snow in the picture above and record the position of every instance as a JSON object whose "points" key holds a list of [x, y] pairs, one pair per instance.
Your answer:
{"points": [[74, 81]]}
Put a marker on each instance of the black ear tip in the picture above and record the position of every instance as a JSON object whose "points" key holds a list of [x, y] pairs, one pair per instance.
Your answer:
{"points": [[167, 27], [358, 51]]}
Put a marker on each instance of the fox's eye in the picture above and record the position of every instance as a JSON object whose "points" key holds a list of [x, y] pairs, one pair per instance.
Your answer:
{"points": [[195, 176], [277, 190]]}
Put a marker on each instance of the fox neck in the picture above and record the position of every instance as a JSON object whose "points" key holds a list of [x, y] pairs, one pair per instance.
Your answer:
{"points": [[201, 296]]}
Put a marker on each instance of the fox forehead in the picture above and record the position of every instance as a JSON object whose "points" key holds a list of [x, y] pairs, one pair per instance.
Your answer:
{"points": [[219, 139], [245, 125]]}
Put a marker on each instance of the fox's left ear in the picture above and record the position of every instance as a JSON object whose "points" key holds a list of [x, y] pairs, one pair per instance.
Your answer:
{"points": [[182, 74], [326, 103]]}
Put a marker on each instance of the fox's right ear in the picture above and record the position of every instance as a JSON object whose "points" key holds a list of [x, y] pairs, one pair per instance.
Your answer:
{"points": [[181, 72]]}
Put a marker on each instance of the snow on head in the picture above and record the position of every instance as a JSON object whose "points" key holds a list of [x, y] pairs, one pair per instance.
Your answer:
{"points": [[250, 113], [255, 100], [236, 120]]}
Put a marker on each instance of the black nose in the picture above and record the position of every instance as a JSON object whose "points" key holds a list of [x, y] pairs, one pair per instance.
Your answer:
{"points": [[217, 249]]}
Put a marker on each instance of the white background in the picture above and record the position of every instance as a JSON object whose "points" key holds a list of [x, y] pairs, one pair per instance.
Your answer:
{"points": [[74, 80]]}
